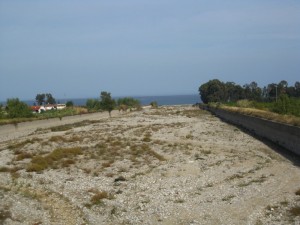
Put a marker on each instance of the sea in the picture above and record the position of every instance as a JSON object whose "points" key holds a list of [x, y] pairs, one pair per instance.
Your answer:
{"points": [[144, 100]]}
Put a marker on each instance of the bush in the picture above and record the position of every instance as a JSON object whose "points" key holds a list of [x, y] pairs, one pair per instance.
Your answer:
{"points": [[286, 105], [154, 104], [93, 104], [69, 104], [244, 103], [18, 109], [129, 102]]}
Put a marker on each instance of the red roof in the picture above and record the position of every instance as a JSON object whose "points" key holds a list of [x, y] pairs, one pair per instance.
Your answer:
{"points": [[35, 108]]}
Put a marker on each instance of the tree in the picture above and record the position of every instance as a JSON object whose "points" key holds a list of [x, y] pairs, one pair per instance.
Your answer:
{"points": [[107, 103], [50, 99], [252, 91], [17, 109], [213, 91], [272, 91], [45, 99], [297, 89], [40, 99], [234, 92], [282, 87]]}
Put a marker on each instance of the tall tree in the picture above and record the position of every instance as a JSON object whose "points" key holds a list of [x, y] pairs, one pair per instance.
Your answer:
{"points": [[213, 91], [40, 99], [282, 87], [107, 103], [297, 89], [50, 99], [252, 91]]}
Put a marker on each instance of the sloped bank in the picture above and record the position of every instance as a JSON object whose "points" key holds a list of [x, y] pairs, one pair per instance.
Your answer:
{"points": [[284, 135]]}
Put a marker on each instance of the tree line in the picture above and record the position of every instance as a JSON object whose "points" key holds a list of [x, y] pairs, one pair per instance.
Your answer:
{"points": [[218, 91], [107, 103]]}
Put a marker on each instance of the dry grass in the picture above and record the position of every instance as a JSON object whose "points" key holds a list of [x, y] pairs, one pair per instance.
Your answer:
{"points": [[19, 145], [59, 157], [295, 211], [287, 119], [98, 197], [71, 126]]}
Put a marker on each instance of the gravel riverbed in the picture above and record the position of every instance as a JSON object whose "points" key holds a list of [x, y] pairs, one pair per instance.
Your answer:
{"points": [[170, 165]]}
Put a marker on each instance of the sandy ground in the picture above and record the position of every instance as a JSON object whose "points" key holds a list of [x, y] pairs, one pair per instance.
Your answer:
{"points": [[171, 165]]}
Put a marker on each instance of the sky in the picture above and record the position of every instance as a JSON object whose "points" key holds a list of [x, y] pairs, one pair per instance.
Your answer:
{"points": [[78, 48]]}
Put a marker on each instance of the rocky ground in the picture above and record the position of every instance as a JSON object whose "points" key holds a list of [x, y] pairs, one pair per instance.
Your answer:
{"points": [[171, 165]]}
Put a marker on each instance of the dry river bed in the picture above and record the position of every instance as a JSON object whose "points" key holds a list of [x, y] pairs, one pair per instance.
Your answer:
{"points": [[171, 165]]}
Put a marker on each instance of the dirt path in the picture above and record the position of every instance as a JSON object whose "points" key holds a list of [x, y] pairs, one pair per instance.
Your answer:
{"points": [[10, 131]]}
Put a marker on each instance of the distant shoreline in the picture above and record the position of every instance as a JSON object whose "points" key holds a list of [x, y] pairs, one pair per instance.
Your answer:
{"points": [[145, 100]]}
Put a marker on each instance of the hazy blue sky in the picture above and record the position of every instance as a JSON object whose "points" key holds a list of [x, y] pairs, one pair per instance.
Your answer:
{"points": [[74, 48]]}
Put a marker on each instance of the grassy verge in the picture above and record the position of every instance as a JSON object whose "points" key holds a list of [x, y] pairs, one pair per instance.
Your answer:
{"points": [[46, 115], [261, 113]]}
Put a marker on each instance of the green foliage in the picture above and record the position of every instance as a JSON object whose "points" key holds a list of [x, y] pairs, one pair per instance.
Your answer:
{"points": [[154, 104], [40, 99], [213, 91], [69, 104], [129, 102], [2, 112], [217, 91], [45, 99], [93, 104], [107, 103], [286, 105], [283, 105], [18, 109]]}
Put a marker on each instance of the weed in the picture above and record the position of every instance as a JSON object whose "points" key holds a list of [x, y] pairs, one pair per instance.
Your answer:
{"points": [[99, 196], [228, 198], [189, 136], [235, 176], [295, 211], [71, 126], [58, 156], [24, 155], [57, 139], [146, 139], [257, 180], [206, 152], [179, 200], [284, 203], [23, 143], [4, 169], [4, 214]]}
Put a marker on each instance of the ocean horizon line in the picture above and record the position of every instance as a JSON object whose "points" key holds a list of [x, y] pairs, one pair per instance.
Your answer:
{"points": [[175, 99]]}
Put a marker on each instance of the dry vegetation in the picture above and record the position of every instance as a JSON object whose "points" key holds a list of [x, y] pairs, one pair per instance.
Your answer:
{"points": [[170, 165], [287, 119]]}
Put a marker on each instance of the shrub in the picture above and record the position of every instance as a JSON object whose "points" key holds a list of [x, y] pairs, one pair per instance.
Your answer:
{"points": [[244, 103], [129, 102], [69, 104], [99, 196], [18, 109], [62, 156], [154, 104]]}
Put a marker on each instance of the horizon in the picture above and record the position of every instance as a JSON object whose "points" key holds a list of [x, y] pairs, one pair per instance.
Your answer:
{"points": [[144, 48], [114, 97]]}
